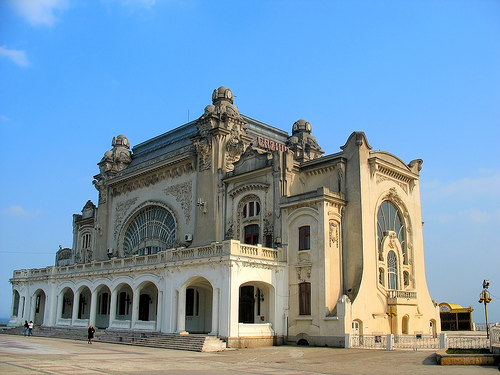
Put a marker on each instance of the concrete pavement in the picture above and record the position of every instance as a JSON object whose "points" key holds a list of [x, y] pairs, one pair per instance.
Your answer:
{"points": [[39, 355]]}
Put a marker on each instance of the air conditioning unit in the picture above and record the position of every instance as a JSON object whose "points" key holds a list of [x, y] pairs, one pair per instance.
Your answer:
{"points": [[188, 237]]}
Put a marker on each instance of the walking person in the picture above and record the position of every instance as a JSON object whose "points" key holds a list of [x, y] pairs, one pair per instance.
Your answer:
{"points": [[26, 326], [30, 328], [91, 332]]}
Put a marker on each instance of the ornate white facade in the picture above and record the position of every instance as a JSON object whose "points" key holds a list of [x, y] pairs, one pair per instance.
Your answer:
{"points": [[231, 227]]}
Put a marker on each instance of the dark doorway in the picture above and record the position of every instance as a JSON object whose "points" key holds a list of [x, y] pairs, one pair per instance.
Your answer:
{"points": [[247, 305], [144, 302]]}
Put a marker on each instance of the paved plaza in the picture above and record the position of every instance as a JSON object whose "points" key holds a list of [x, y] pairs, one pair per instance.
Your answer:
{"points": [[39, 355]]}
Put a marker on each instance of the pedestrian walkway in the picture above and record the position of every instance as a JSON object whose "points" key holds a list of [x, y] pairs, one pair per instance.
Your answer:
{"points": [[21, 355]]}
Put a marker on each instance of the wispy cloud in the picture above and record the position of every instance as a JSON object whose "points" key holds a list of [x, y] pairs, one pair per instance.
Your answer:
{"points": [[19, 212], [17, 56], [474, 199], [39, 12], [148, 4], [486, 184]]}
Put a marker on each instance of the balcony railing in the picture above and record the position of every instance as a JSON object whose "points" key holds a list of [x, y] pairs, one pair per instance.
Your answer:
{"points": [[225, 249], [401, 297]]}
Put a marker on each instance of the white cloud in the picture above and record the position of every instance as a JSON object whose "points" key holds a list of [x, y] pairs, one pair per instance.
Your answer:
{"points": [[39, 12], [18, 211], [485, 186], [17, 56]]}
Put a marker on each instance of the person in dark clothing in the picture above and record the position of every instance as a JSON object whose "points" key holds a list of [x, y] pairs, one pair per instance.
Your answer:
{"points": [[91, 332], [26, 326]]}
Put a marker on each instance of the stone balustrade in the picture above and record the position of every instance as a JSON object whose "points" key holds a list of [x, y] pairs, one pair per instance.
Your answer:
{"points": [[224, 250]]}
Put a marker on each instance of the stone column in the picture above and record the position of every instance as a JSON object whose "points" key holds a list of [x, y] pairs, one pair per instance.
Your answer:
{"points": [[112, 307], [60, 302], [76, 306], [135, 307], [93, 308], [31, 310], [23, 308], [215, 313], [159, 311], [181, 311]]}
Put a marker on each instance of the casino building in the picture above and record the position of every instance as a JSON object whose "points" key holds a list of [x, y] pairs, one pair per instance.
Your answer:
{"points": [[230, 227]]}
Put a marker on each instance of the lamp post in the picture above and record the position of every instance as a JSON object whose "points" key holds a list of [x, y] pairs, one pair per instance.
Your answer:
{"points": [[485, 298]]}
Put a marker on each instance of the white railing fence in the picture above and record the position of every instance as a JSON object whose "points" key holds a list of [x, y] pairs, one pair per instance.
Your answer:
{"points": [[416, 342]]}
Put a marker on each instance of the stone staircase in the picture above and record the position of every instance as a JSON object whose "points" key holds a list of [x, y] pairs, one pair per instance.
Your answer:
{"points": [[197, 343]]}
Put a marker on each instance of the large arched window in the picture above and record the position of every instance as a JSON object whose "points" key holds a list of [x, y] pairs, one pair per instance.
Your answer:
{"points": [[152, 230], [390, 219]]}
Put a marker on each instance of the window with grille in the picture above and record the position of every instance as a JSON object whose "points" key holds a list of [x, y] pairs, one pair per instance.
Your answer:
{"points": [[151, 231], [390, 219]]}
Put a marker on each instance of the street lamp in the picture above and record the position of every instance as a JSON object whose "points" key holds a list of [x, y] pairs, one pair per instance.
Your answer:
{"points": [[485, 298]]}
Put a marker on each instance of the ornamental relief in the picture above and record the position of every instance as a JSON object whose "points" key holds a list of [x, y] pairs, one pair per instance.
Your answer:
{"points": [[235, 147], [153, 178], [333, 235], [204, 149], [380, 178], [183, 194], [120, 211]]}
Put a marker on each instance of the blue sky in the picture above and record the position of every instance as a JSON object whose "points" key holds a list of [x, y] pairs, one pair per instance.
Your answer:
{"points": [[420, 78]]}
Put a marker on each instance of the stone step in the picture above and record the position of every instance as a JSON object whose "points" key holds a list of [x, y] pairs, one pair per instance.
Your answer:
{"points": [[199, 343]]}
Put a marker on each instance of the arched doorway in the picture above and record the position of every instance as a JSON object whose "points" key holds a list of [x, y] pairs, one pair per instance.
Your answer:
{"points": [[199, 296], [39, 307], [405, 325], [124, 298], [432, 328], [83, 309], [103, 307], [67, 296], [254, 300], [148, 303], [15, 304], [357, 327]]}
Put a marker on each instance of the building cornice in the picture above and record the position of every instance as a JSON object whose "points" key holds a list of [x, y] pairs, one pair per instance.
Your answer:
{"points": [[382, 170]]}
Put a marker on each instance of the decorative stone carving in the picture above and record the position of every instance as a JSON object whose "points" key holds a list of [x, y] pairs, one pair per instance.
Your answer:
{"points": [[230, 232], [221, 119], [64, 256], [121, 210], [234, 148], [333, 232], [302, 143], [101, 188], [203, 148], [268, 225], [183, 194], [117, 159], [153, 178]]}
